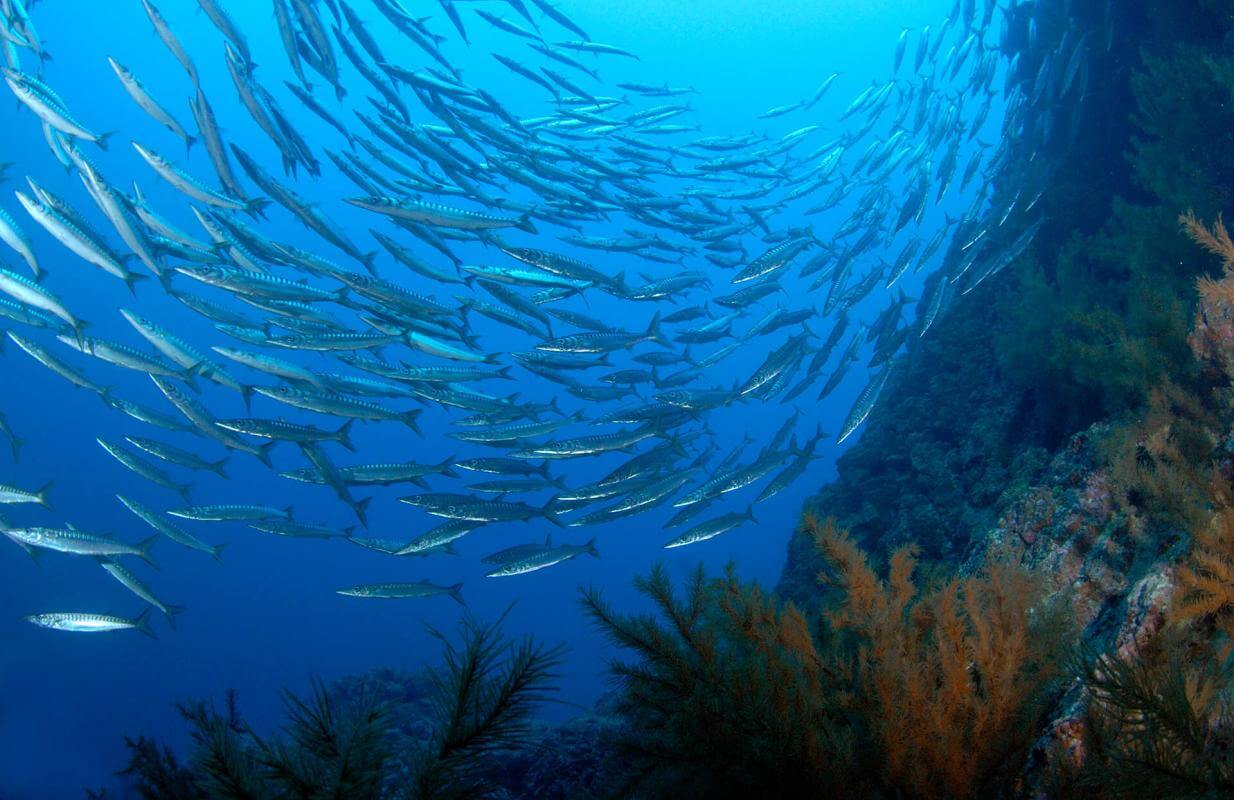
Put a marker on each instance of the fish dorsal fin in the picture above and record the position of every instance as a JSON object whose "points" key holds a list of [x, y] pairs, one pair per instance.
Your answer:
{"points": [[548, 540]]}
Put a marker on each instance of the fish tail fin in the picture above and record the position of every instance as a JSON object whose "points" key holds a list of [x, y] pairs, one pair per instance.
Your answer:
{"points": [[343, 435], [504, 372], [360, 508], [525, 224], [185, 490], [591, 548], [410, 419], [41, 495], [142, 623], [263, 454], [15, 444], [171, 612], [189, 376], [368, 260], [290, 511], [445, 469], [456, 594], [143, 550], [247, 393], [542, 470], [550, 513], [131, 280], [216, 552], [256, 207], [750, 514], [654, 333], [218, 467], [103, 137]]}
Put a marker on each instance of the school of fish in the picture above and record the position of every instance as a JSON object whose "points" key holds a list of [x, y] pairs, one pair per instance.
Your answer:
{"points": [[478, 210]]}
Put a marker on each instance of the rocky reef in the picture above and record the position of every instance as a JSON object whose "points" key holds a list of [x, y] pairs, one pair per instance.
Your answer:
{"points": [[1075, 413]]}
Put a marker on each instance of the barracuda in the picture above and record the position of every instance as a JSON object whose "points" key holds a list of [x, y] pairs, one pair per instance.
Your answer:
{"points": [[338, 405], [404, 591], [191, 187], [531, 561], [163, 526], [80, 622], [177, 456], [78, 543], [78, 241], [438, 215], [712, 528]]}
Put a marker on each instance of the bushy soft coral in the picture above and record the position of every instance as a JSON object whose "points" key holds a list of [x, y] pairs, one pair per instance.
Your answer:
{"points": [[903, 686], [949, 676]]}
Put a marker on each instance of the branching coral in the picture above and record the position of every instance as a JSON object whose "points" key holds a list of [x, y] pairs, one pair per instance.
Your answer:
{"points": [[1212, 335]]}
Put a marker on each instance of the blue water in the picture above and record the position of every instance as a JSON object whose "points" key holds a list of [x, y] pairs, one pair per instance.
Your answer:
{"points": [[267, 616]]}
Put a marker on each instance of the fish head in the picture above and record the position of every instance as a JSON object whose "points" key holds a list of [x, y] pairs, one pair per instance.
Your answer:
{"points": [[276, 392], [168, 388], [201, 272]]}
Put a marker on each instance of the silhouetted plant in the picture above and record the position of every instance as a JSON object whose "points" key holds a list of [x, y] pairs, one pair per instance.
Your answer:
{"points": [[1159, 724], [729, 695], [486, 690], [160, 776]]}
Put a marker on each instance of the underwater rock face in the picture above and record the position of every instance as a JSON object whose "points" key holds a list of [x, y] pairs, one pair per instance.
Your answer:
{"points": [[1069, 525], [952, 437]]}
